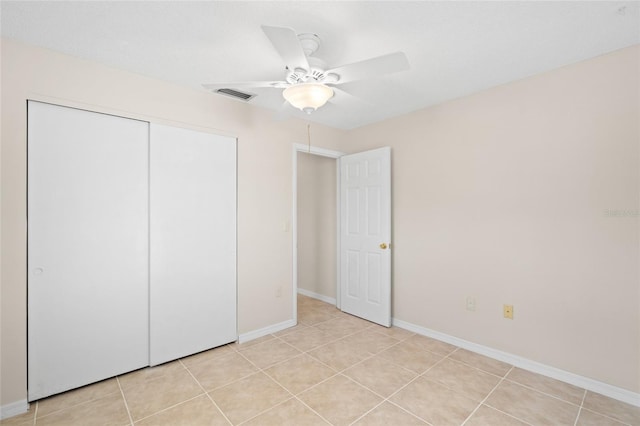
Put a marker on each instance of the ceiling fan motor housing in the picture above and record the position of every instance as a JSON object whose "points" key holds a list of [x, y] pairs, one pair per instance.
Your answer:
{"points": [[310, 43], [316, 74]]}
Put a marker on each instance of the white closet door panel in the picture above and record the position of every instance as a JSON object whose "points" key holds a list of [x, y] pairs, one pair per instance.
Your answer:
{"points": [[87, 247], [193, 242]]}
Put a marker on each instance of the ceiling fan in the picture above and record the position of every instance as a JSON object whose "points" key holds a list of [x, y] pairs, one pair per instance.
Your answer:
{"points": [[309, 83]]}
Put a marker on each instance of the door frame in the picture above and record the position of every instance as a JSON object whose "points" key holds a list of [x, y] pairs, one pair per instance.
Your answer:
{"points": [[314, 150]]}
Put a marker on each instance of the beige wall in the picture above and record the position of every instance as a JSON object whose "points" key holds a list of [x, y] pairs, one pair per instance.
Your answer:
{"points": [[264, 179], [316, 198], [500, 196], [503, 195]]}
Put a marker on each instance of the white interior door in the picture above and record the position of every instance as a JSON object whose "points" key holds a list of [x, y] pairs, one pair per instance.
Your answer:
{"points": [[193, 242], [365, 235], [87, 247]]}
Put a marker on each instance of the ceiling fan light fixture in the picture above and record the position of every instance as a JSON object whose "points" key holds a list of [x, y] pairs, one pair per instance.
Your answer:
{"points": [[308, 97]]}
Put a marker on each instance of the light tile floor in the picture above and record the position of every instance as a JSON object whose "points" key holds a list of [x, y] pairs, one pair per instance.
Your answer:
{"points": [[331, 369]]}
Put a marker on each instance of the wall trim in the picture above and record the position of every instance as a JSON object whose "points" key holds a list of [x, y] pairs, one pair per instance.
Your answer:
{"points": [[318, 296], [255, 334], [14, 409], [596, 386]]}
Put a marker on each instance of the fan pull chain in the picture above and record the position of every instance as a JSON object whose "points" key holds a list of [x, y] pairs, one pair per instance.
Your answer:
{"points": [[309, 137]]}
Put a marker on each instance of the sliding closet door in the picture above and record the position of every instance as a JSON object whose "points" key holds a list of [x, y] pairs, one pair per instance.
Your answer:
{"points": [[193, 242], [87, 247]]}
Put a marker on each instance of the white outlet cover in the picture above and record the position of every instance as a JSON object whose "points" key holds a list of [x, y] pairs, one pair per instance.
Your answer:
{"points": [[471, 303]]}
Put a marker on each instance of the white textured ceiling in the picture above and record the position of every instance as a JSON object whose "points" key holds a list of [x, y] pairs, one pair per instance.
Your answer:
{"points": [[454, 48]]}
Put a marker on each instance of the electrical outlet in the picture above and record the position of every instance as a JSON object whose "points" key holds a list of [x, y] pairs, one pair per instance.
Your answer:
{"points": [[508, 311], [471, 303]]}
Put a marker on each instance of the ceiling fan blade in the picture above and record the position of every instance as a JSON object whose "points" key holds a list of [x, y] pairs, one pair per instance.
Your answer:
{"points": [[381, 65], [346, 99], [247, 84], [286, 42]]}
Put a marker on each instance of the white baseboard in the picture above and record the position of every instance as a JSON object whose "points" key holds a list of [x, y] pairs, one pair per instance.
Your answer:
{"points": [[308, 293], [614, 392], [13, 409], [255, 334]]}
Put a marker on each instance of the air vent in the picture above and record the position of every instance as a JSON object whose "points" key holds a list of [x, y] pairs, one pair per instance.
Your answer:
{"points": [[236, 94]]}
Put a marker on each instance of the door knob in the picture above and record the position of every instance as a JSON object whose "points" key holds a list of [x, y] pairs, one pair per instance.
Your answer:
{"points": [[383, 246]]}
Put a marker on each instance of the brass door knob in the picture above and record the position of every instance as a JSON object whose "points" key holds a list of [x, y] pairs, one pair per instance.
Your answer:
{"points": [[383, 246]]}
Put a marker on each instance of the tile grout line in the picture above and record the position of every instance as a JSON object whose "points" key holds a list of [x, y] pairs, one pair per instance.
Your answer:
{"points": [[405, 368], [35, 414], [423, 374], [405, 339], [263, 371], [235, 352], [80, 403], [170, 407], [446, 356], [478, 368], [166, 408], [318, 384], [124, 398], [494, 408], [205, 393], [268, 341], [541, 392], [295, 396], [304, 353], [584, 395], [367, 412], [264, 411], [582, 407], [312, 410], [409, 412], [292, 395], [219, 409], [308, 352], [388, 399], [502, 379], [508, 415], [485, 398], [608, 417], [384, 399], [217, 388]]}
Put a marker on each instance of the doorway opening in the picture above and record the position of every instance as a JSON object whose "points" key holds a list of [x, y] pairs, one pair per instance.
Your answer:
{"points": [[315, 224]]}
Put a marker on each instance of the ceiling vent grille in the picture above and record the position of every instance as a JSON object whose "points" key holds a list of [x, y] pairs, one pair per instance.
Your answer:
{"points": [[246, 97]]}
